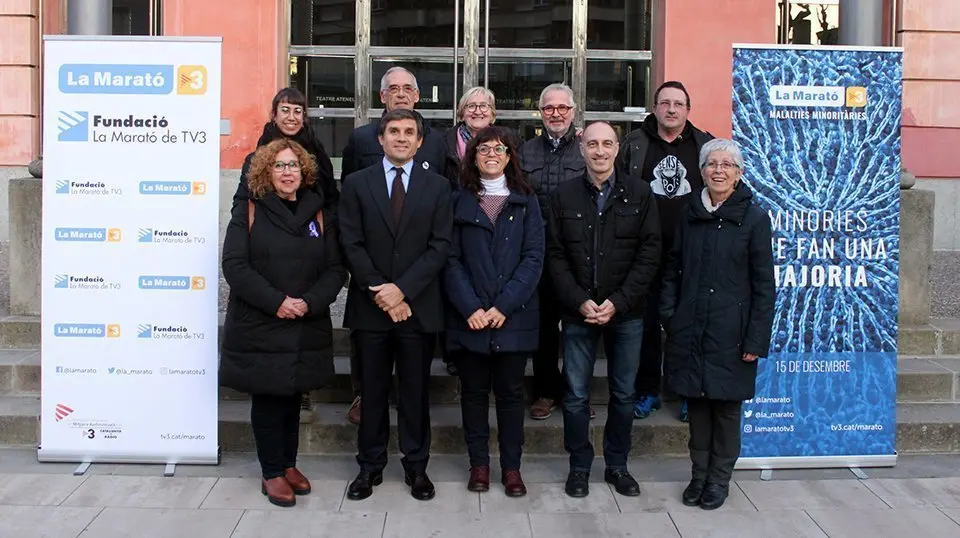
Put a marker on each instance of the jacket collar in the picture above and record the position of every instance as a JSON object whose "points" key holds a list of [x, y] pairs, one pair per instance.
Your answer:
{"points": [[733, 209]]}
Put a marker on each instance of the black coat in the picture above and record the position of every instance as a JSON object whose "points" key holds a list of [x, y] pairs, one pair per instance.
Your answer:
{"points": [[452, 167], [495, 265], [411, 256], [545, 168], [261, 353], [718, 299], [611, 256], [325, 184], [363, 150]]}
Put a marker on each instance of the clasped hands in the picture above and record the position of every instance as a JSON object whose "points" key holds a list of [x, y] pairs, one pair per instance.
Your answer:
{"points": [[481, 319], [597, 315], [292, 308], [391, 300]]}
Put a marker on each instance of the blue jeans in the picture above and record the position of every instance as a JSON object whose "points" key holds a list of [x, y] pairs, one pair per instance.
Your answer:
{"points": [[622, 345]]}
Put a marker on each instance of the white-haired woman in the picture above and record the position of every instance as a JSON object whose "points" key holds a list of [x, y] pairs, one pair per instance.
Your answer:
{"points": [[476, 111], [717, 307]]}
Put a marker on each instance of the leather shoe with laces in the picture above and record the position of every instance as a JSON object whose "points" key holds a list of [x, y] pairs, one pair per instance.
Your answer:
{"points": [[479, 479], [713, 496], [421, 488], [693, 492], [513, 483], [362, 485], [578, 484], [622, 482]]}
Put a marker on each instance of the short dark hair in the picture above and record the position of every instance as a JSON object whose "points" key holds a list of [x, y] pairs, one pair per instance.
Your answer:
{"points": [[289, 95], [470, 176], [671, 84], [400, 114]]}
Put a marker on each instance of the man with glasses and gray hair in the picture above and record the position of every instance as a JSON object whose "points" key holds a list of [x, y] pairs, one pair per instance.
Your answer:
{"points": [[547, 161], [398, 90], [663, 152]]}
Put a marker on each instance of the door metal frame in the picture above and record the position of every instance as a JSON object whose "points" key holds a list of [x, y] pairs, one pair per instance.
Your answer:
{"points": [[470, 54]]}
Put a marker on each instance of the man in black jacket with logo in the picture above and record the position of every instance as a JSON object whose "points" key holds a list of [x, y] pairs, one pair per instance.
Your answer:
{"points": [[548, 161], [603, 250], [665, 153]]}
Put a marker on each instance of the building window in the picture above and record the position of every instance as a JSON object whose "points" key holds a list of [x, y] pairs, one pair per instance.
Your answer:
{"points": [[137, 17], [808, 23]]}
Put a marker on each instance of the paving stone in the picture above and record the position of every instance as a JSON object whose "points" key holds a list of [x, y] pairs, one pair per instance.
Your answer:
{"points": [[309, 524], [918, 492], [605, 525], [141, 492], [452, 497], [44, 521], [722, 523], [36, 490], [665, 497], [403, 525], [807, 494], [163, 523], [885, 523]]}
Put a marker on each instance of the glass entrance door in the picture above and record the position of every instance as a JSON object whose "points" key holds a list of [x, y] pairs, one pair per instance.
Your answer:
{"points": [[340, 49]]}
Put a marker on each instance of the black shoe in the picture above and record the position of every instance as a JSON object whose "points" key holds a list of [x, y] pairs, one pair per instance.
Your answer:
{"points": [[452, 369], [713, 496], [362, 485], [421, 488], [622, 482], [578, 484], [693, 492]]}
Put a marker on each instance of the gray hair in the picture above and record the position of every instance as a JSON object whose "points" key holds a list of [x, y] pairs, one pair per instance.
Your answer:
{"points": [[473, 92], [559, 86], [721, 144], [396, 69]]}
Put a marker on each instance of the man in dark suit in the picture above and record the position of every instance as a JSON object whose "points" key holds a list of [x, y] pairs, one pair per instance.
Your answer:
{"points": [[395, 226]]}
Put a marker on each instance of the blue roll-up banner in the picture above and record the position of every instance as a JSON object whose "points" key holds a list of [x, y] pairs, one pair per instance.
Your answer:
{"points": [[820, 132]]}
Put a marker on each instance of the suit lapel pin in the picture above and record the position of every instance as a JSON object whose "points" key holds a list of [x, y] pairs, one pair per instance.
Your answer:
{"points": [[426, 165], [511, 217]]}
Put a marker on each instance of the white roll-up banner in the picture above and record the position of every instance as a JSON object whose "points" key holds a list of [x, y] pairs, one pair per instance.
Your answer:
{"points": [[130, 249]]}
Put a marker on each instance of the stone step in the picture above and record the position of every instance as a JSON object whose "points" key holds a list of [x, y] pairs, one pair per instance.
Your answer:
{"points": [[939, 337], [919, 379], [921, 428]]}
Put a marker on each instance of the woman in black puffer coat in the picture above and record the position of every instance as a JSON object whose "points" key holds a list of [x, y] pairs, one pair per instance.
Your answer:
{"points": [[282, 260], [717, 307]]}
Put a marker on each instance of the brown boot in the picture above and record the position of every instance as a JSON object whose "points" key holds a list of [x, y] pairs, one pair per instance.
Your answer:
{"points": [[479, 479], [542, 409], [513, 483], [278, 491], [353, 413], [298, 482]]}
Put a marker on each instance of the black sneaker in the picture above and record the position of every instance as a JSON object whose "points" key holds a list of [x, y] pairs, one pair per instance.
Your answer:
{"points": [[622, 482], [578, 484]]}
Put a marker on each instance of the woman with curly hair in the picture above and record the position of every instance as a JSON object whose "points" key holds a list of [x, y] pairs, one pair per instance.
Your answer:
{"points": [[282, 261]]}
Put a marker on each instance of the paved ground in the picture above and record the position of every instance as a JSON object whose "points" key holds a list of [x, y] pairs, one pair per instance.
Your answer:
{"points": [[920, 497]]}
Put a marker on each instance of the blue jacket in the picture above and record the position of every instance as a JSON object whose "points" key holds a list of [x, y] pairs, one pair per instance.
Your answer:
{"points": [[495, 266]]}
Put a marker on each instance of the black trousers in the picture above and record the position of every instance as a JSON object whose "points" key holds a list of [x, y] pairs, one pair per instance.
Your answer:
{"points": [[651, 349], [547, 380], [412, 351], [504, 373], [714, 439], [276, 430]]}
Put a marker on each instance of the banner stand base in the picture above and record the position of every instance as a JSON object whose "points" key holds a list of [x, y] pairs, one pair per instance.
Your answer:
{"points": [[854, 463], [858, 472], [82, 469], [766, 475], [170, 469]]}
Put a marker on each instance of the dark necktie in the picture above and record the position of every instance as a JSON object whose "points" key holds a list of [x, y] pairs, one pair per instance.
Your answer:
{"points": [[396, 196]]}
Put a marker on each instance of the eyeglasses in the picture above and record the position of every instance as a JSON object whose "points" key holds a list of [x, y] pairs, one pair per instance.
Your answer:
{"points": [[482, 107], [485, 150], [724, 166], [286, 110], [280, 166], [671, 104], [395, 89], [559, 109]]}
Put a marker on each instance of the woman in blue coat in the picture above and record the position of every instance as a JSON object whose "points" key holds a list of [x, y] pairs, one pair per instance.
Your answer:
{"points": [[491, 281]]}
